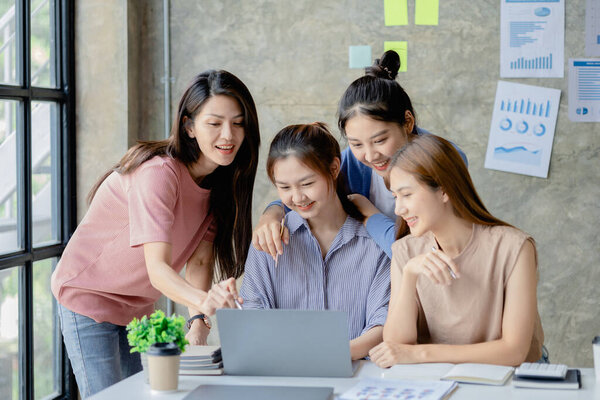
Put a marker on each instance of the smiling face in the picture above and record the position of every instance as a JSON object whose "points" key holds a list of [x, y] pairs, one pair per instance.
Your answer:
{"points": [[374, 142], [422, 207], [303, 189], [219, 130]]}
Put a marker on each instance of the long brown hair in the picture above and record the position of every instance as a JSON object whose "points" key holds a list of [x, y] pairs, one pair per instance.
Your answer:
{"points": [[435, 162], [316, 147], [231, 186]]}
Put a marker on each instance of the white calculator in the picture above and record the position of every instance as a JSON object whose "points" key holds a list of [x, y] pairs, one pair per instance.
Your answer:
{"points": [[541, 371]]}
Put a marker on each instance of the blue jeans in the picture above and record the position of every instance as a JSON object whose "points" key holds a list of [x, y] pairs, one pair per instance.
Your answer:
{"points": [[99, 352]]}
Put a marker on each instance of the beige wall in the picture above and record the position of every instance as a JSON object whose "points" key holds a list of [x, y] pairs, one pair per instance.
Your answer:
{"points": [[293, 56]]}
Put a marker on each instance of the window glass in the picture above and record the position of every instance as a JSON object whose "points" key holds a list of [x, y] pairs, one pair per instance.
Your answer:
{"points": [[8, 43], [9, 240], [46, 336], [9, 333], [44, 179], [43, 71]]}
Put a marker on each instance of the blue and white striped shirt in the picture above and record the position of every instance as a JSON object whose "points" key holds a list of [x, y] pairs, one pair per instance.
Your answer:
{"points": [[354, 276]]}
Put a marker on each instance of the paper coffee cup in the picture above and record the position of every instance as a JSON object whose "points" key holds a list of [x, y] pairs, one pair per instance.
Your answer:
{"points": [[163, 366], [596, 347]]}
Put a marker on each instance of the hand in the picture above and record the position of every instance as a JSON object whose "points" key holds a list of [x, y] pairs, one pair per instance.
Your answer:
{"points": [[267, 235], [364, 205], [220, 295], [435, 265], [198, 333], [387, 354]]}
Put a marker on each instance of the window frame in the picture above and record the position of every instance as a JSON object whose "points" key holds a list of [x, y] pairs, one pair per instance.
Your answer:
{"points": [[63, 95]]}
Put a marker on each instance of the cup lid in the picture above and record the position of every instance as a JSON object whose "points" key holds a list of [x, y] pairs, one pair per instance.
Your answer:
{"points": [[164, 349], [596, 340]]}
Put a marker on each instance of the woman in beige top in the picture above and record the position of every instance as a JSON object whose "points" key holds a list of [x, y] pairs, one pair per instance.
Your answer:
{"points": [[463, 282]]}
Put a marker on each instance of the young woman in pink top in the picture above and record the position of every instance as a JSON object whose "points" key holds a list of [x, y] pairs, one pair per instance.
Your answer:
{"points": [[186, 200], [463, 282]]}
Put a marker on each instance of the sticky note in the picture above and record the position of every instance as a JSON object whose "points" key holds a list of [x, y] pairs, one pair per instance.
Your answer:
{"points": [[401, 49], [396, 12], [359, 56], [426, 12]]}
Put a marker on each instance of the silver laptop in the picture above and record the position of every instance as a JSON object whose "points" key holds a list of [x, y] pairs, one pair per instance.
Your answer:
{"points": [[285, 343]]}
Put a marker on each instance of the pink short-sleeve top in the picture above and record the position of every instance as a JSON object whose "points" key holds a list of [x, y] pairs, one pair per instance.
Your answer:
{"points": [[102, 272]]}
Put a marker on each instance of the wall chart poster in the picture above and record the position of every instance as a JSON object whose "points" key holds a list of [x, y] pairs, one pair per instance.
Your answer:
{"points": [[592, 28], [522, 129], [584, 90], [532, 38]]}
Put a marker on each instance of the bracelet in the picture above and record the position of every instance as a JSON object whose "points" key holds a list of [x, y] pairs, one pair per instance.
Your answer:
{"points": [[203, 317]]}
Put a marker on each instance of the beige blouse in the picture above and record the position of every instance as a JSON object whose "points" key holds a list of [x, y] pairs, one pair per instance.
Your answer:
{"points": [[470, 310]]}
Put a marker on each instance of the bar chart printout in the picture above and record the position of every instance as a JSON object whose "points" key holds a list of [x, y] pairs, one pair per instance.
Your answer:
{"points": [[522, 129], [592, 28], [532, 38], [584, 90]]}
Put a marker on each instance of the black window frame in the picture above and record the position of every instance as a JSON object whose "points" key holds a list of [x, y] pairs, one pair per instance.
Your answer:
{"points": [[64, 97]]}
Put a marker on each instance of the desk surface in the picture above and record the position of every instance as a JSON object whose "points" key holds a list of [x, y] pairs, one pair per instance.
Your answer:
{"points": [[135, 388]]}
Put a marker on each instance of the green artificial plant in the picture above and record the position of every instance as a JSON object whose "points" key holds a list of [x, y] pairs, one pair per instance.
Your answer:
{"points": [[143, 333]]}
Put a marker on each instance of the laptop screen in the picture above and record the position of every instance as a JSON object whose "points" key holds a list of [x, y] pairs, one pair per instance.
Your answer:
{"points": [[285, 343]]}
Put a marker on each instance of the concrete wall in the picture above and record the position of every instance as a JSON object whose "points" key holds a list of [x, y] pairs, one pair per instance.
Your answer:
{"points": [[293, 56], [107, 33]]}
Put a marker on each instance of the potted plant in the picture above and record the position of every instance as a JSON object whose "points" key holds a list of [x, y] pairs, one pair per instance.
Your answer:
{"points": [[143, 333]]}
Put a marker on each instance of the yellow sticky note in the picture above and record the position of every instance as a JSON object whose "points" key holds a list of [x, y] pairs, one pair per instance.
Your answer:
{"points": [[401, 49], [396, 12], [427, 12]]}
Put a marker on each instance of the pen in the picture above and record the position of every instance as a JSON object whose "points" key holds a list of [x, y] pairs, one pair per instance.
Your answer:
{"points": [[237, 304], [280, 235], [452, 274]]}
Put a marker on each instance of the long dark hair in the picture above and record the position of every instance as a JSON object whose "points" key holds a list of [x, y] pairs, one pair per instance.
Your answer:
{"points": [[377, 95], [316, 147], [435, 162], [231, 186]]}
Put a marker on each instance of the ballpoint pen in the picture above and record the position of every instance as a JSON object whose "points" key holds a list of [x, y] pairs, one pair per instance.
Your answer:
{"points": [[237, 304], [452, 274], [280, 235]]}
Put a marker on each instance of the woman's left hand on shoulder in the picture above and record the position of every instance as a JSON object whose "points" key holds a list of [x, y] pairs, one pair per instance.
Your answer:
{"points": [[363, 204], [386, 354]]}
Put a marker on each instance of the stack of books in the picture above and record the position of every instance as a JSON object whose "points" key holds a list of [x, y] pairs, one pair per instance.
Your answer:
{"points": [[201, 360], [546, 376]]}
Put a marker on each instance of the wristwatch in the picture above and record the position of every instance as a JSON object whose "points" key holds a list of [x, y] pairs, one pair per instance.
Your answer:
{"points": [[203, 317]]}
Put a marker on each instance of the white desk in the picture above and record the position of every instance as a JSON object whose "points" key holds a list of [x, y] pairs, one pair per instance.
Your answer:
{"points": [[135, 388]]}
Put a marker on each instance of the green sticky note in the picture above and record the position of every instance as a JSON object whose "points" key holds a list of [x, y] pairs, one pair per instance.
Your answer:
{"points": [[401, 49], [396, 12], [426, 12], [359, 56]]}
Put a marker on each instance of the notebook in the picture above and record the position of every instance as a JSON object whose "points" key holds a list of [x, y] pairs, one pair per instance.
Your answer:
{"points": [[285, 343], [234, 392], [484, 374], [201, 360], [571, 381]]}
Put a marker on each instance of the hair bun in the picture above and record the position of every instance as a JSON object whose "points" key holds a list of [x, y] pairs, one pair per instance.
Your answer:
{"points": [[386, 67]]}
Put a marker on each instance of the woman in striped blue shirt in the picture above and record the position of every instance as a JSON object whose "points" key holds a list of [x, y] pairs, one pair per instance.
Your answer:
{"points": [[331, 262]]}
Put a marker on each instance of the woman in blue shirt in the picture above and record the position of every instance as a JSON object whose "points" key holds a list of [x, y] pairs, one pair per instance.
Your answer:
{"points": [[327, 242], [377, 118]]}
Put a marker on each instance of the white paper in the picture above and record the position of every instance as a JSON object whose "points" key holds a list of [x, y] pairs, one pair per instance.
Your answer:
{"points": [[532, 38], [522, 129], [584, 90], [417, 371], [592, 28], [398, 390]]}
